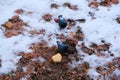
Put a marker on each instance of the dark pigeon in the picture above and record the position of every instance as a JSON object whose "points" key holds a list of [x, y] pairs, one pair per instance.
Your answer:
{"points": [[62, 48], [62, 22]]}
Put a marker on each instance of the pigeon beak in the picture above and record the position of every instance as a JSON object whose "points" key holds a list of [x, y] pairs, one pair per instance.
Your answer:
{"points": [[56, 20]]}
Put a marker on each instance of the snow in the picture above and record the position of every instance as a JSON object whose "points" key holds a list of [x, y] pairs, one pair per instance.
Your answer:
{"points": [[116, 72], [93, 73], [104, 27]]}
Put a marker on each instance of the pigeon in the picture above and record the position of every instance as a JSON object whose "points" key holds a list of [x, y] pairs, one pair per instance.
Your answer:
{"points": [[62, 48], [62, 22]]}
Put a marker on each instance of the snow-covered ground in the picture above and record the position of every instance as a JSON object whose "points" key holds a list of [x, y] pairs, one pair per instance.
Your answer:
{"points": [[103, 27]]}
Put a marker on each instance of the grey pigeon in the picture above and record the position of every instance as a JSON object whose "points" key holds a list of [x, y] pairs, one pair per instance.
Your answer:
{"points": [[62, 22], [62, 48]]}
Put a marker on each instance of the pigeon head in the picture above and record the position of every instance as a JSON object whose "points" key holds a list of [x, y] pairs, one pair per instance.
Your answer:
{"points": [[58, 42], [60, 16], [62, 48]]}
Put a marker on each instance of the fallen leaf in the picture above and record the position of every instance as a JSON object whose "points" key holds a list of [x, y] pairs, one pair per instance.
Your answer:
{"points": [[29, 12], [54, 5], [94, 4], [19, 11], [33, 32], [9, 25], [115, 1], [47, 17]]}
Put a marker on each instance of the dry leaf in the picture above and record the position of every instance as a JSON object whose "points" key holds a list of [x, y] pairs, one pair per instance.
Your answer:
{"points": [[54, 5], [81, 20], [47, 17], [70, 6], [115, 1], [72, 34], [74, 7], [86, 49], [69, 27], [105, 3], [14, 26], [9, 25], [94, 4], [33, 32], [29, 12], [42, 31], [19, 11], [10, 33]]}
